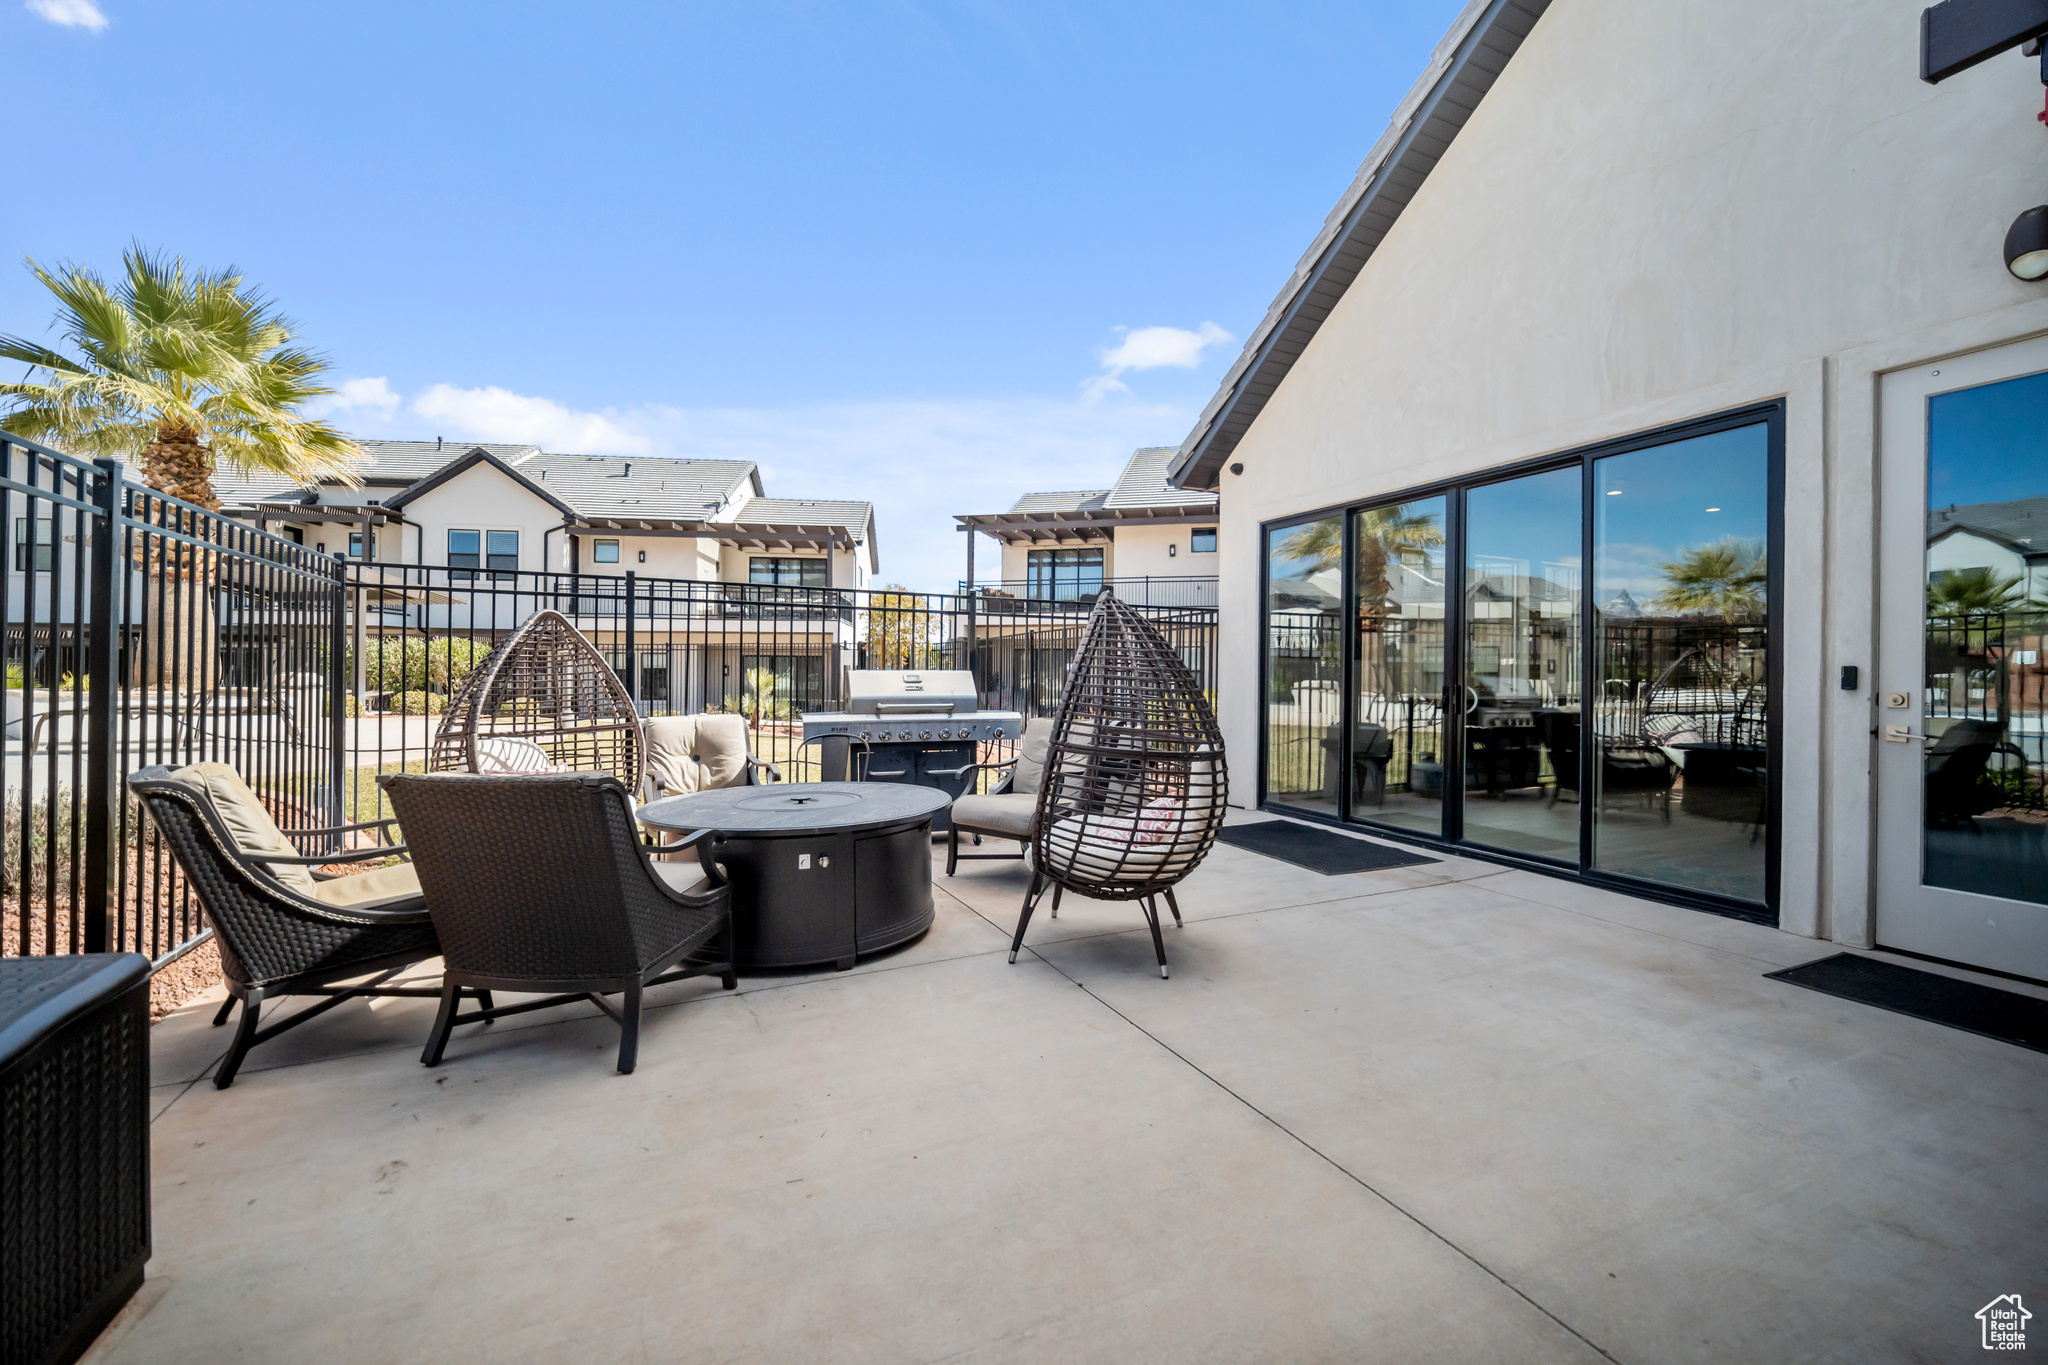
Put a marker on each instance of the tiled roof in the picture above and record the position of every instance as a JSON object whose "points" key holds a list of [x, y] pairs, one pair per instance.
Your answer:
{"points": [[641, 486], [2021, 523], [388, 462], [1143, 483], [854, 516], [1087, 501]]}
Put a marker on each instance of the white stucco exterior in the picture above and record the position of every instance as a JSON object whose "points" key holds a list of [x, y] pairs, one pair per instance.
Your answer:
{"points": [[1662, 212]]}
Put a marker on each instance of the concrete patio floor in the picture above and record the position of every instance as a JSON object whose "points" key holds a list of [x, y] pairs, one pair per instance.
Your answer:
{"points": [[1448, 1112]]}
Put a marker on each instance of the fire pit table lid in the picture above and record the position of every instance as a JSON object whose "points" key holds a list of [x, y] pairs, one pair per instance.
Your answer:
{"points": [[796, 807]]}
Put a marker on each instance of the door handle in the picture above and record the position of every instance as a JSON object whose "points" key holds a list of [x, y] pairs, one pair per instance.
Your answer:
{"points": [[1900, 734]]}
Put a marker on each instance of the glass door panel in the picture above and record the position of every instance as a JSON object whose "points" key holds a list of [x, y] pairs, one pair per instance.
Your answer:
{"points": [[1397, 760], [1304, 680], [1680, 565], [1522, 664]]}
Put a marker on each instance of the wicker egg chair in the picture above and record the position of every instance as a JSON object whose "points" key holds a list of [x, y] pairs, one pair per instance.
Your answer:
{"points": [[1135, 783], [543, 700]]}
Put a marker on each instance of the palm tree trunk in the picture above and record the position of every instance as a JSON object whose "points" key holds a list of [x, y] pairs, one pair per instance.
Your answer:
{"points": [[180, 643]]}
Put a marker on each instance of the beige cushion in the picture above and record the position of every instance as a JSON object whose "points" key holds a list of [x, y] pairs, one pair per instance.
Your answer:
{"points": [[688, 877], [1008, 814], [696, 753], [511, 754], [379, 886], [1029, 774], [247, 823]]}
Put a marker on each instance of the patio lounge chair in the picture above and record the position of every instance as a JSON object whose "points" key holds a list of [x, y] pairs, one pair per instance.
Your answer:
{"points": [[541, 884], [1007, 809], [699, 754], [542, 699], [283, 928], [1135, 784]]}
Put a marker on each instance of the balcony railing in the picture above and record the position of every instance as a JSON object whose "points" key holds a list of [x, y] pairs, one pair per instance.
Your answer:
{"points": [[1037, 595]]}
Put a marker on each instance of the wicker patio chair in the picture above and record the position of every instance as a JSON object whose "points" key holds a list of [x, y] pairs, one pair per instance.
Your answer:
{"points": [[542, 700], [283, 928], [1135, 784], [1007, 809], [540, 884], [685, 754]]}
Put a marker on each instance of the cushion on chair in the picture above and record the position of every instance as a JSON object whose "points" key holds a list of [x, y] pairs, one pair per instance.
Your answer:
{"points": [[246, 822], [697, 753], [685, 877], [511, 754], [1008, 814], [1029, 774], [379, 888]]}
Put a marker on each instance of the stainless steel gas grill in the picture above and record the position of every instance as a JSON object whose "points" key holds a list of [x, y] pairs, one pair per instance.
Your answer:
{"points": [[917, 726]]}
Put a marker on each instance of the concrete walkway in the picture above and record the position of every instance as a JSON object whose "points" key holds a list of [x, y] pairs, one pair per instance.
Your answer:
{"points": [[1447, 1113]]}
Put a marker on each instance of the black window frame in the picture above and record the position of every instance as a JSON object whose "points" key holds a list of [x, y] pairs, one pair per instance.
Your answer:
{"points": [[45, 545], [1059, 569], [1453, 490], [597, 549], [1198, 533], [810, 571]]}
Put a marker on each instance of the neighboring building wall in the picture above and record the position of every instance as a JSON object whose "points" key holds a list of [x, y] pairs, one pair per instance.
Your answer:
{"points": [[667, 556], [1141, 553], [480, 498], [1017, 558], [1663, 212]]}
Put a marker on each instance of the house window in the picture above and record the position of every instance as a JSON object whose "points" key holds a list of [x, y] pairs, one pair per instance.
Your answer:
{"points": [[786, 571], [355, 544], [1202, 541], [497, 550], [604, 552], [501, 550], [1064, 575], [45, 541]]}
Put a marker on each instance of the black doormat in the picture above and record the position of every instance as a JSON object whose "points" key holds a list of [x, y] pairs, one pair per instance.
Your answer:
{"points": [[1965, 1005], [1318, 850]]}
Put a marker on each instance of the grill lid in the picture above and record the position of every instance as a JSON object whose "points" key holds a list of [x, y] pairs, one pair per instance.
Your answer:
{"points": [[910, 692]]}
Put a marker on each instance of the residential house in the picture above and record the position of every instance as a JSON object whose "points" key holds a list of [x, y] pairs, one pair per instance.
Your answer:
{"points": [[1585, 483], [1150, 542]]}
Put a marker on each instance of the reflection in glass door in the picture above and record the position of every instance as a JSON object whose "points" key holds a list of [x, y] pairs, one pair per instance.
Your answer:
{"points": [[1398, 759], [1522, 663], [1304, 682], [1963, 806], [1681, 568]]}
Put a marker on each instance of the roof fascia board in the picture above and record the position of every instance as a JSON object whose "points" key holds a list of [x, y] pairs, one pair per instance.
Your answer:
{"points": [[477, 455], [1415, 140]]}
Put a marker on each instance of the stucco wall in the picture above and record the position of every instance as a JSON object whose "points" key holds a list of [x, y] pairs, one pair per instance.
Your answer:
{"points": [[1662, 211], [482, 499], [1141, 552]]}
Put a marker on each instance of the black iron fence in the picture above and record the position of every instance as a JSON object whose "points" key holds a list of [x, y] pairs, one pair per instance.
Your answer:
{"points": [[1142, 590], [141, 630]]}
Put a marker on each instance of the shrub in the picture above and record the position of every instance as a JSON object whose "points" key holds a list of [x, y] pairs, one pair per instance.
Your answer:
{"points": [[415, 703], [413, 664]]}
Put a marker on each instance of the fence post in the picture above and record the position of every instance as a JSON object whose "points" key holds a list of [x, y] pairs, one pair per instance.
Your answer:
{"points": [[632, 648], [337, 693], [103, 777]]}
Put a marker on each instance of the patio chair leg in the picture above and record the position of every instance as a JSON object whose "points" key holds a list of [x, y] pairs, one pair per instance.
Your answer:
{"points": [[1174, 906], [221, 1016], [437, 1036], [483, 999], [952, 848], [245, 1038], [1030, 898], [629, 1030], [1057, 892], [1150, 906]]}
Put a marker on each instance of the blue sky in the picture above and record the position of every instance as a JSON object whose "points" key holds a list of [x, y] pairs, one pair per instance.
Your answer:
{"points": [[909, 252]]}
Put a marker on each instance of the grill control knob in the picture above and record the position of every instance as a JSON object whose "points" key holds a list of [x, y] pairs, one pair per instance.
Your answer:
{"points": [[927, 734]]}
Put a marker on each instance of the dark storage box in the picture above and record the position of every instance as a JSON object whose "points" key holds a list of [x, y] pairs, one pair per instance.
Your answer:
{"points": [[74, 1149]]}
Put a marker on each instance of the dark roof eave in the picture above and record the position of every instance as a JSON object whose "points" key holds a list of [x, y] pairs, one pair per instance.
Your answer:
{"points": [[1436, 111]]}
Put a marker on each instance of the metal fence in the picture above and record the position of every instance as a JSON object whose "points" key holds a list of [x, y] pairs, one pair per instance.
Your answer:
{"points": [[1143, 590], [141, 630]]}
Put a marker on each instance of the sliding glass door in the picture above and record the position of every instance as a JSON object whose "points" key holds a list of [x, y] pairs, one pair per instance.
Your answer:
{"points": [[1523, 665], [1572, 662]]}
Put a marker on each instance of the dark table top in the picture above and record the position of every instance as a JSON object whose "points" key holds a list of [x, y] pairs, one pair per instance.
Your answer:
{"points": [[796, 807]]}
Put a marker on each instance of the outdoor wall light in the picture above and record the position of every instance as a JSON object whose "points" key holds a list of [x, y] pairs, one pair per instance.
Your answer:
{"points": [[1237, 469], [2026, 244], [1172, 550]]}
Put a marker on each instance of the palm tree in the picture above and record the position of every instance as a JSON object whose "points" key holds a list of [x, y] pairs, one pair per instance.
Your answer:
{"points": [[1973, 592], [178, 369], [1725, 579]]}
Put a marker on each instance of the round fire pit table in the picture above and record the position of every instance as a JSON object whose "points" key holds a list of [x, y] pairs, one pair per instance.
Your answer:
{"points": [[821, 871]]}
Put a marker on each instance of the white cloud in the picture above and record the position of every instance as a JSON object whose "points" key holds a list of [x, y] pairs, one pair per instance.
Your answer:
{"points": [[1152, 348], [69, 13], [495, 414], [363, 397]]}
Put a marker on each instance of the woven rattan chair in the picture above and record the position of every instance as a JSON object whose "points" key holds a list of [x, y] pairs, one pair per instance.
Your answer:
{"points": [[1006, 810], [542, 699], [540, 884], [1135, 783], [282, 927]]}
